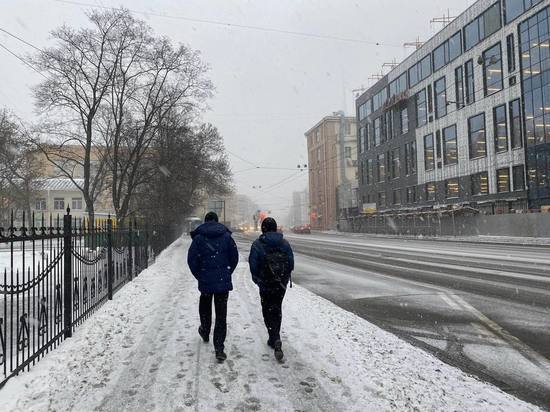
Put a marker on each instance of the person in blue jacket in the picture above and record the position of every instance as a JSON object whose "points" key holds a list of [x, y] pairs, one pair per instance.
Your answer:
{"points": [[271, 264], [212, 258]]}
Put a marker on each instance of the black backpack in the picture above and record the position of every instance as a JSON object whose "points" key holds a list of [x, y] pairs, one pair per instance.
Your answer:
{"points": [[275, 267]]}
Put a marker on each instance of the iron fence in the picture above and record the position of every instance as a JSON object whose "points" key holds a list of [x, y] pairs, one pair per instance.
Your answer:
{"points": [[55, 273]]}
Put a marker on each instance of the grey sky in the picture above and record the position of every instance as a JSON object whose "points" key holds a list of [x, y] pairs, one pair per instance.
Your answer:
{"points": [[270, 87]]}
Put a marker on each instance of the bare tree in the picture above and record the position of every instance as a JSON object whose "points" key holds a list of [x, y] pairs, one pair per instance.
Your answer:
{"points": [[19, 171], [79, 71]]}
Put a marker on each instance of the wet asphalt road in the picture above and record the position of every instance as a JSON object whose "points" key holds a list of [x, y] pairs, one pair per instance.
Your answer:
{"points": [[482, 307]]}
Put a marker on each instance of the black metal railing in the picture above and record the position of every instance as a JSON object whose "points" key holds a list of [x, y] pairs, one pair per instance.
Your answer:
{"points": [[54, 274]]}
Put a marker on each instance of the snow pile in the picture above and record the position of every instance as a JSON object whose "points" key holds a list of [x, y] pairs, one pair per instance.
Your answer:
{"points": [[142, 352]]}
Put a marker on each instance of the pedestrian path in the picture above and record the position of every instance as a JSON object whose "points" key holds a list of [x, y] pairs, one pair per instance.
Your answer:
{"points": [[141, 352]]}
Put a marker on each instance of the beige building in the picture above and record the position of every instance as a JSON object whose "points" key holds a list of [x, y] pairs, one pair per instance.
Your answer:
{"points": [[332, 162]]}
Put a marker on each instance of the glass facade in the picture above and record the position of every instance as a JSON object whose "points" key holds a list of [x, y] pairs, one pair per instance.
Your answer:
{"points": [[534, 41]]}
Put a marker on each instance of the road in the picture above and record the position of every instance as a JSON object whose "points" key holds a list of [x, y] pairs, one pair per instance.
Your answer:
{"points": [[482, 307]]}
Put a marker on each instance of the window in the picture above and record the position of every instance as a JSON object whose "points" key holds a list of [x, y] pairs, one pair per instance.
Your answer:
{"points": [[411, 194], [503, 180], [430, 191], [395, 170], [500, 127], [410, 158], [379, 99], [482, 27], [519, 177], [515, 8], [59, 203], [76, 202], [480, 184], [361, 141], [476, 136], [447, 52], [40, 204], [440, 98], [420, 70], [421, 108], [429, 155], [370, 171], [459, 87], [492, 70], [396, 196], [399, 85], [450, 147], [381, 168], [377, 131], [511, 53], [452, 189], [515, 124], [389, 124], [404, 120], [347, 152], [470, 82], [381, 199]]}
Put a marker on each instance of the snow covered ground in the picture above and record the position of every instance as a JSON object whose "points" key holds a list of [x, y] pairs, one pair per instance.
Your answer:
{"points": [[141, 352]]}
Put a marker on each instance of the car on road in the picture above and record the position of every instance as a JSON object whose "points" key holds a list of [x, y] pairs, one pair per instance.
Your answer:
{"points": [[301, 230]]}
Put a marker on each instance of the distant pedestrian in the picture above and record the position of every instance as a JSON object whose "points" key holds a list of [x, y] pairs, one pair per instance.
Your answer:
{"points": [[271, 264], [212, 258]]}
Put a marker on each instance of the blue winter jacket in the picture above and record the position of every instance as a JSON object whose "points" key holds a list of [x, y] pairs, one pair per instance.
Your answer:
{"points": [[212, 257], [267, 242]]}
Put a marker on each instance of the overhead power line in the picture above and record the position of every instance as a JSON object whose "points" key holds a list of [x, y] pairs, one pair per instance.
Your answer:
{"points": [[237, 26]]}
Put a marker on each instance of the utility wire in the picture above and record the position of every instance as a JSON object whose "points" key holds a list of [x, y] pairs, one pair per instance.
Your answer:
{"points": [[25, 62], [237, 26]]}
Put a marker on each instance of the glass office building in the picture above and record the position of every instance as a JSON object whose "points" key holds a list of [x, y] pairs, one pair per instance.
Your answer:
{"points": [[465, 119]]}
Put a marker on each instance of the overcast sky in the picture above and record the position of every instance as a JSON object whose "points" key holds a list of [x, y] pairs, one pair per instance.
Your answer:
{"points": [[270, 86]]}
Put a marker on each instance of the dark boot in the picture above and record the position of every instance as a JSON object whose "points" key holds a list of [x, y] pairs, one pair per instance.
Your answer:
{"points": [[220, 355], [204, 335], [270, 344], [278, 351]]}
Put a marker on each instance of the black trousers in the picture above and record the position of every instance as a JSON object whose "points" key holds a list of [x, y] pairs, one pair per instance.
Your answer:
{"points": [[272, 301], [205, 312]]}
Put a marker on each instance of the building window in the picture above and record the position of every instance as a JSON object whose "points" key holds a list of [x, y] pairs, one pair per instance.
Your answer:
{"points": [[429, 154], [492, 70], [59, 203], [421, 108], [420, 70], [500, 127], [362, 137], [395, 171], [503, 180], [430, 191], [40, 204], [381, 168], [76, 203], [447, 52], [370, 171], [459, 87], [518, 175], [411, 194], [347, 152], [377, 131], [410, 158], [440, 90], [515, 8], [389, 124], [399, 85], [482, 27], [347, 128], [511, 53], [396, 196], [476, 136], [516, 133], [379, 99], [470, 82], [452, 188], [450, 147], [480, 184], [404, 120], [381, 199]]}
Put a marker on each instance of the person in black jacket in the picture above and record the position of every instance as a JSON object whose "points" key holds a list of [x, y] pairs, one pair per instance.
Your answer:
{"points": [[271, 264], [212, 258]]}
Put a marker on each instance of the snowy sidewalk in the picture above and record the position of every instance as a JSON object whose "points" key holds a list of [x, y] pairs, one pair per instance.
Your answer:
{"points": [[141, 352]]}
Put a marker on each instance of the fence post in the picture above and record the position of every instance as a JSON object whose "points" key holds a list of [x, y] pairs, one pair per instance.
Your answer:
{"points": [[67, 275], [146, 246], [110, 258], [130, 251]]}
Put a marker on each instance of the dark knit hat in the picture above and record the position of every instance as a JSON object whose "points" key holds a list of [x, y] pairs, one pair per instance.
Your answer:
{"points": [[211, 217], [269, 225]]}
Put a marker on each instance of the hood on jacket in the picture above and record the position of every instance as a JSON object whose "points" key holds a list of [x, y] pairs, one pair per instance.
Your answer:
{"points": [[210, 230], [272, 238]]}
